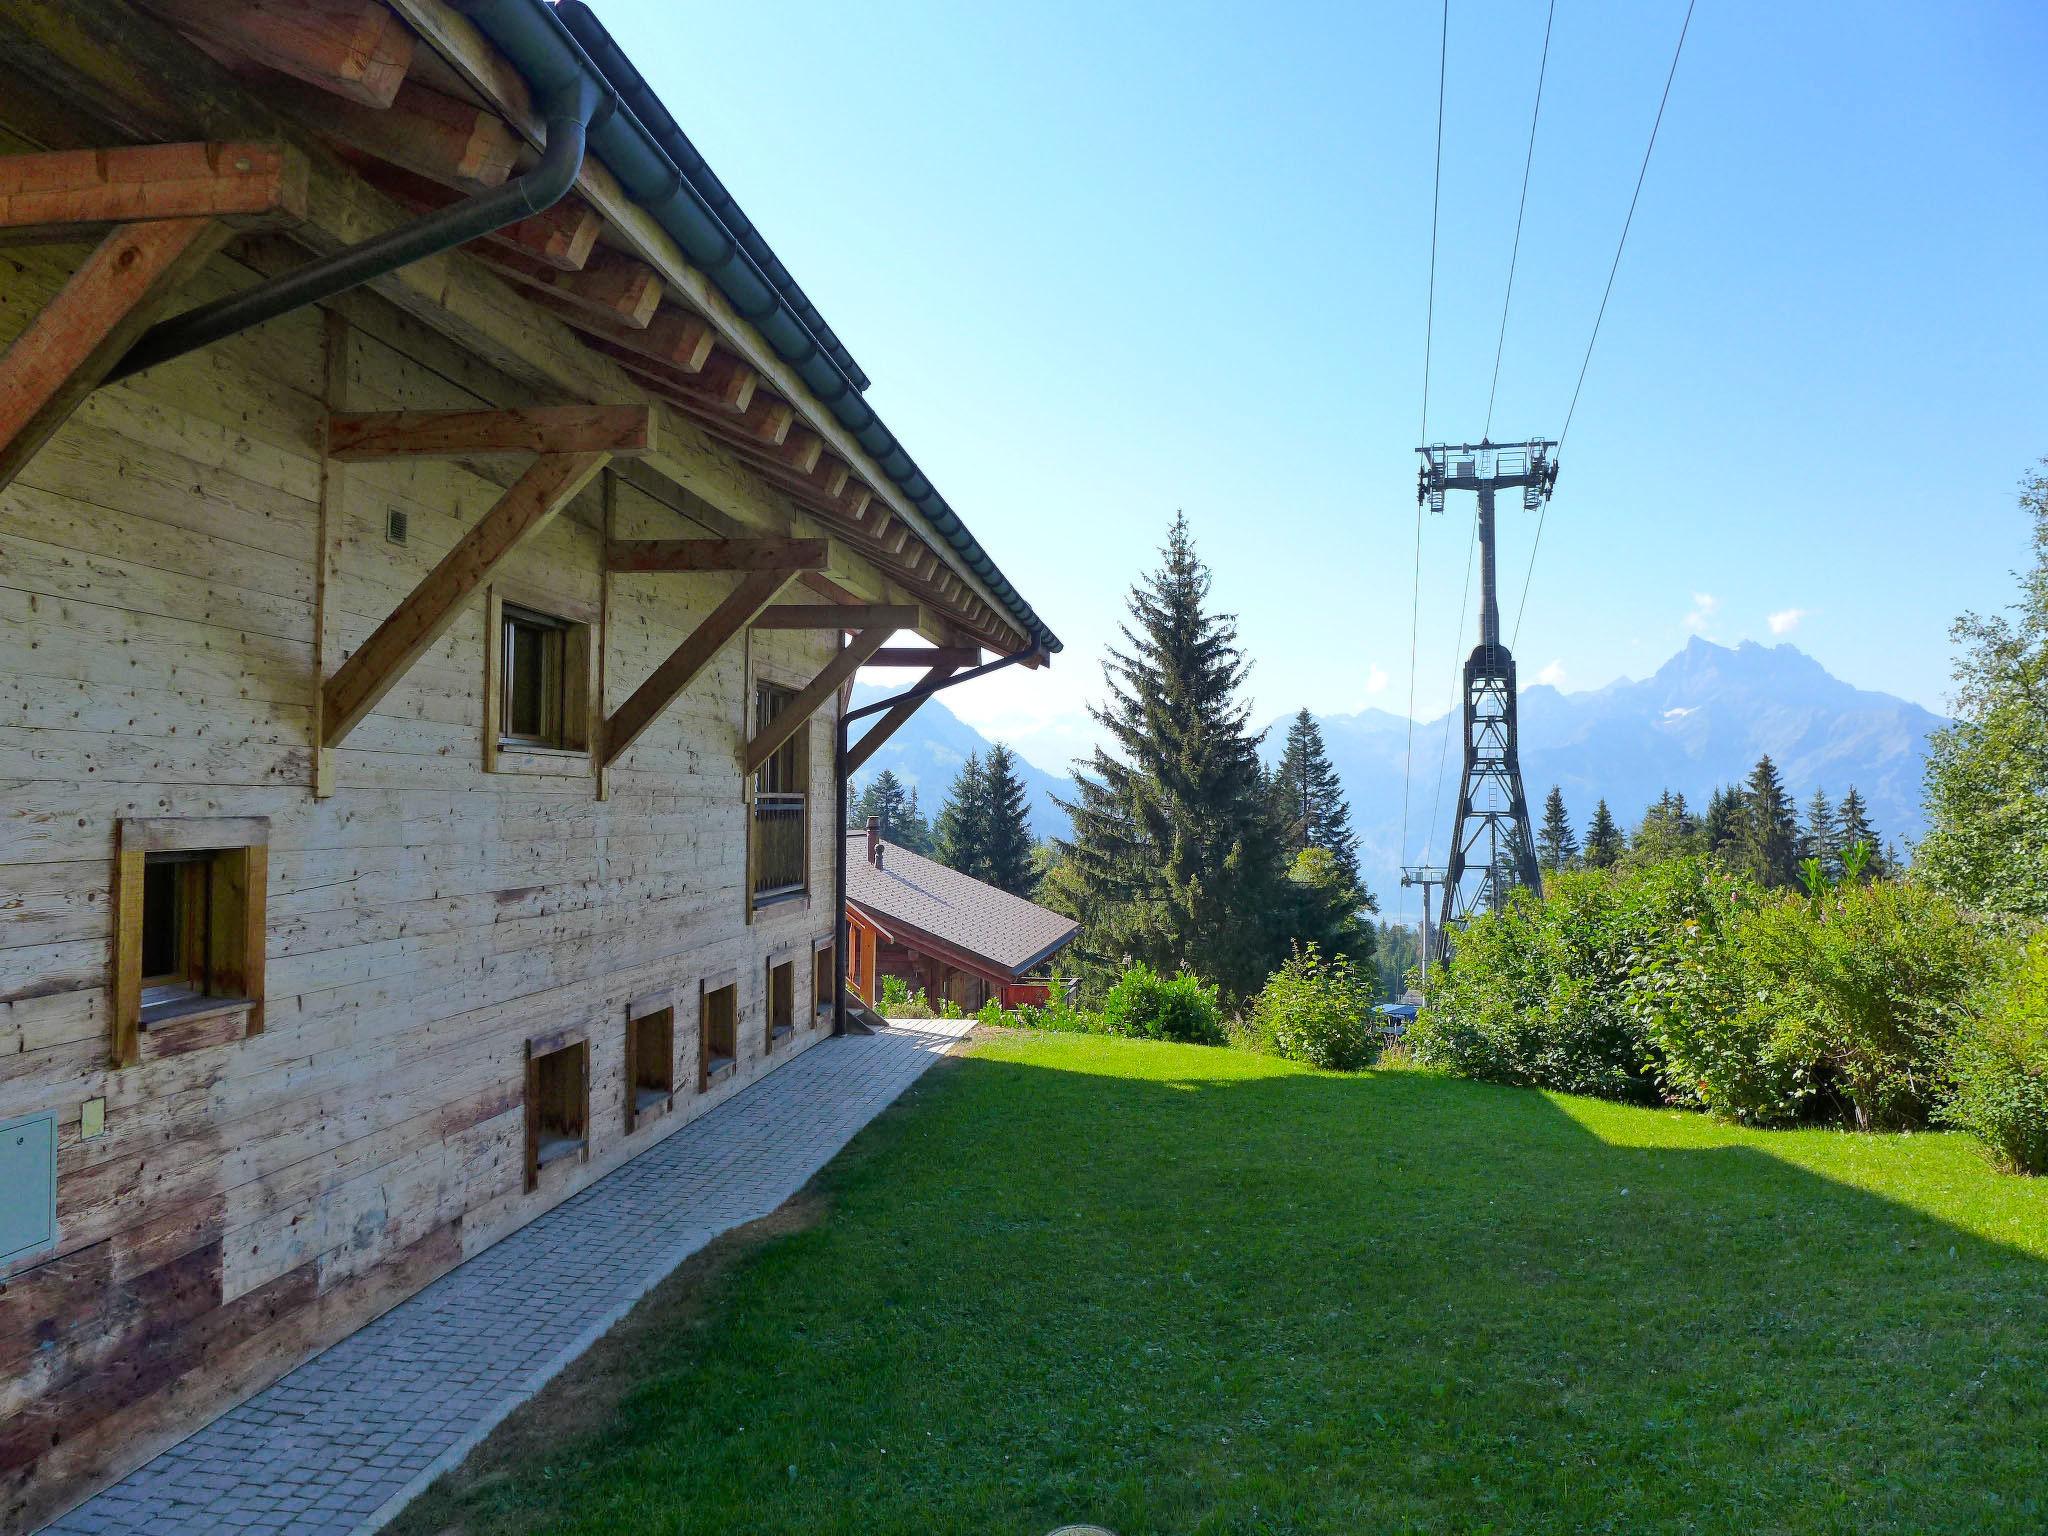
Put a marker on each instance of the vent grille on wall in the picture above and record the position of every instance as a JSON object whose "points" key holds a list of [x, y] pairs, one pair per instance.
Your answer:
{"points": [[394, 526]]}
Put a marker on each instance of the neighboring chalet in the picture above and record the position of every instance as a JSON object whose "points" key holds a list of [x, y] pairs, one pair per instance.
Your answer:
{"points": [[437, 537], [948, 935]]}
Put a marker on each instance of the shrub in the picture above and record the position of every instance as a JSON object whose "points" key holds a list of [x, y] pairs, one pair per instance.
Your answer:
{"points": [[992, 1014], [1998, 1067], [1318, 1011], [1148, 1006], [1061, 1016], [899, 1002]]}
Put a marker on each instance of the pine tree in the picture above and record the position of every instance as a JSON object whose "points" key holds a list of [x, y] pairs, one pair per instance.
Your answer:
{"points": [[894, 805], [1309, 798], [1722, 829], [960, 837], [1767, 844], [1819, 837], [1667, 832], [1604, 844], [1007, 848], [1557, 846], [1175, 856], [1852, 826]]}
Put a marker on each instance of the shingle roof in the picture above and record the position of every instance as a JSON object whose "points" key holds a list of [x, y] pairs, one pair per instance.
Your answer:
{"points": [[920, 894]]}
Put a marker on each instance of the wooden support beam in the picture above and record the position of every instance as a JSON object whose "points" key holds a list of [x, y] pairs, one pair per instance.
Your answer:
{"points": [[527, 506], [766, 420], [73, 192], [889, 616], [755, 592], [675, 341], [872, 738], [354, 48], [802, 449], [815, 693], [627, 430], [955, 656], [435, 136], [83, 331], [728, 382], [718, 555], [609, 287], [562, 236]]}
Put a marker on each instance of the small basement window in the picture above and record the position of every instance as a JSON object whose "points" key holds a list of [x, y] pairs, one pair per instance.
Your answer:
{"points": [[557, 1103], [718, 1030], [650, 1061], [781, 1001], [824, 979], [189, 934]]}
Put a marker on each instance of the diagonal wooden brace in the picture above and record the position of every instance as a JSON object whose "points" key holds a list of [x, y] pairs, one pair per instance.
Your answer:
{"points": [[815, 693], [527, 506], [872, 738]]}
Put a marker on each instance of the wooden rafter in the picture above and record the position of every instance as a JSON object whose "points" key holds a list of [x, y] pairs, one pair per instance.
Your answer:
{"points": [[354, 48], [718, 555], [882, 616], [63, 195], [527, 506], [954, 656], [626, 723], [872, 738], [562, 236], [95, 317], [463, 146], [626, 430], [608, 286], [815, 693]]}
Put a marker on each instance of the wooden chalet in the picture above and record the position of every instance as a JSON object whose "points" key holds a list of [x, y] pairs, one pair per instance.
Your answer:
{"points": [[948, 935], [437, 537]]}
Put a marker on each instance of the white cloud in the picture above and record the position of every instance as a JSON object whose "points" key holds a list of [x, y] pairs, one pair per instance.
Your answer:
{"points": [[1785, 620], [1704, 606], [1376, 679], [1552, 674]]}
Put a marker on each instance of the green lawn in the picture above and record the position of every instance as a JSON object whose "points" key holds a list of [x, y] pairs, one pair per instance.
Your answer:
{"points": [[1170, 1289]]}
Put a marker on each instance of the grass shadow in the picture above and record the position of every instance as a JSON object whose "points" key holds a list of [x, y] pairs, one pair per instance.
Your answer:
{"points": [[1169, 1289]]}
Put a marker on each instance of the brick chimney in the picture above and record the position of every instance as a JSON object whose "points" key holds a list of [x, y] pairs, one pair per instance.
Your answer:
{"points": [[875, 841]]}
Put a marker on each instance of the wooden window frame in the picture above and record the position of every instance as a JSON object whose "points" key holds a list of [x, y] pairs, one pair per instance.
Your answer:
{"points": [[227, 861], [709, 1075], [650, 1019], [773, 1034], [791, 761], [824, 978], [578, 625], [570, 1048]]}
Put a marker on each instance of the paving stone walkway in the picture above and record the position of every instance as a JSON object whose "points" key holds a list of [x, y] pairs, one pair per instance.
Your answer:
{"points": [[343, 1442]]}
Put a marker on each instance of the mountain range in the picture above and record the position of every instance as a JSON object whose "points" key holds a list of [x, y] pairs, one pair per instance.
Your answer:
{"points": [[1700, 721]]}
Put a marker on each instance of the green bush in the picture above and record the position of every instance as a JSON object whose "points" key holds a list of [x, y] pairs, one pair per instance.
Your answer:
{"points": [[1061, 1016], [899, 1002], [1998, 1068], [1318, 1011], [1148, 1006], [1538, 993]]}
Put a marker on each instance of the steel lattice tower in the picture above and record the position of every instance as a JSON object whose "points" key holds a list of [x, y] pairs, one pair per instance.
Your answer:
{"points": [[1492, 848]]}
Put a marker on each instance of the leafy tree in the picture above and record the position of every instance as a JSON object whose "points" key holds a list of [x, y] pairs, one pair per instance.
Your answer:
{"points": [[1557, 846], [1008, 850], [1397, 950], [1987, 774], [960, 836], [1820, 835], [894, 805], [1310, 799], [1852, 826], [1175, 859], [1767, 844], [1604, 844]]}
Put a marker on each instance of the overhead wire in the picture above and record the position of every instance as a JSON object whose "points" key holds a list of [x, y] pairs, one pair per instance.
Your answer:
{"points": [[1428, 347], [1601, 314], [1522, 207]]}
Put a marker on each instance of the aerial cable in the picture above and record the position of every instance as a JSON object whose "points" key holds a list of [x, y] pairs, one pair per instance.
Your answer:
{"points": [[1428, 340], [1601, 314], [1514, 253]]}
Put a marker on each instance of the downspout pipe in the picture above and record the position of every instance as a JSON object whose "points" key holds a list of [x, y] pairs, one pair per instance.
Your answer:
{"points": [[839, 746], [579, 104]]}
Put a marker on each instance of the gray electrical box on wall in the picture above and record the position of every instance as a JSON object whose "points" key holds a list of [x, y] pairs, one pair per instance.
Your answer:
{"points": [[28, 1186]]}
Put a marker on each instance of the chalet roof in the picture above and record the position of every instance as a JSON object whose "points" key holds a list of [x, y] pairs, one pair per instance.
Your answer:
{"points": [[911, 896]]}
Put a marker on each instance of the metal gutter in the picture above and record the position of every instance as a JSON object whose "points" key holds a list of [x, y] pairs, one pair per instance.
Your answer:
{"points": [[575, 105], [664, 174]]}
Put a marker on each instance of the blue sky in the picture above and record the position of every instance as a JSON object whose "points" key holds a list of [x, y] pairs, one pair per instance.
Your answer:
{"points": [[1106, 262]]}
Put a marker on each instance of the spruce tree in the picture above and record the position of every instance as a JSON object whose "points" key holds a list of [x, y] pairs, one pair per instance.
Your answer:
{"points": [[1309, 798], [1175, 856], [1767, 845], [1819, 837], [960, 837], [1852, 826], [892, 803], [1007, 846], [1557, 846], [1722, 829], [1604, 845]]}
